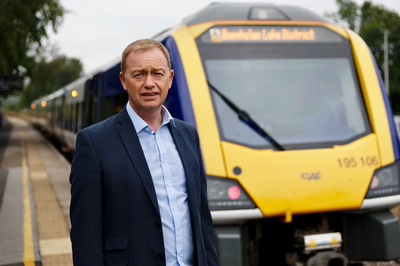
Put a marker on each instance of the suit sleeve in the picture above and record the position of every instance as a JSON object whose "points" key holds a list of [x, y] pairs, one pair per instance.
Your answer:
{"points": [[86, 204], [206, 220]]}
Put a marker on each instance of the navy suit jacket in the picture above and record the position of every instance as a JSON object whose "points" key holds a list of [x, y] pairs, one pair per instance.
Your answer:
{"points": [[114, 211]]}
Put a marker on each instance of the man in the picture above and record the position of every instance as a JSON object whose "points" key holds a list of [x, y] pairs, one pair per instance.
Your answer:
{"points": [[138, 194]]}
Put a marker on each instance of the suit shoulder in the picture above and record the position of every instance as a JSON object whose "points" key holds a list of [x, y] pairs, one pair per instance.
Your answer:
{"points": [[185, 127], [182, 124]]}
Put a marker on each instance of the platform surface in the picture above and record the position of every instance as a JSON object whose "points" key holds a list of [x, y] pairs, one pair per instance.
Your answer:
{"points": [[34, 199]]}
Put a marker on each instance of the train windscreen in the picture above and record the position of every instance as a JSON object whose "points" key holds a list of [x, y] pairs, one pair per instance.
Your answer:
{"points": [[298, 84]]}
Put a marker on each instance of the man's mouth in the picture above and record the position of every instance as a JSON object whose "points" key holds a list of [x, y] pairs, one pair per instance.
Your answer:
{"points": [[149, 94]]}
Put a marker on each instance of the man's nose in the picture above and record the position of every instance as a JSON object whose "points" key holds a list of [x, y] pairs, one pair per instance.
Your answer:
{"points": [[149, 82]]}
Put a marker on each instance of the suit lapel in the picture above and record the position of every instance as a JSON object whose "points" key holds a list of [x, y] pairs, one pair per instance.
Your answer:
{"points": [[187, 166], [130, 139]]}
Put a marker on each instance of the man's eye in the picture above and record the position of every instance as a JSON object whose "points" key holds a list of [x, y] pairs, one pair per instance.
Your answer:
{"points": [[159, 73], [137, 75]]}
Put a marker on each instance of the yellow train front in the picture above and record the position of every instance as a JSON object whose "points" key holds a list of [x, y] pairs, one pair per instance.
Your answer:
{"points": [[298, 139]]}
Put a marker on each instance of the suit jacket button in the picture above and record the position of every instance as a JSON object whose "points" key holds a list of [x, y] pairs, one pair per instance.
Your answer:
{"points": [[160, 257], [157, 225]]}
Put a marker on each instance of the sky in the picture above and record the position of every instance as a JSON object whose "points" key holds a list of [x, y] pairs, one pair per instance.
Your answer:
{"points": [[97, 31]]}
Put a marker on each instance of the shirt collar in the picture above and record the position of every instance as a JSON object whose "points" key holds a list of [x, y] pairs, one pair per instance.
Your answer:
{"points": [[140, 124]]}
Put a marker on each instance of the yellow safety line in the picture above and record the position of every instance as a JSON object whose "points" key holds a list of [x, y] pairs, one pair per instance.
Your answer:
{"points": [[29, 256]]}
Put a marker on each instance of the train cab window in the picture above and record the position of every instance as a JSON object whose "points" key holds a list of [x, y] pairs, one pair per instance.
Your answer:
{"points": [[304, 94]]}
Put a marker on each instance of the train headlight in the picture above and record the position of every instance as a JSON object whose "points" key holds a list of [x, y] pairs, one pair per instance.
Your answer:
{"points": [[385, 181], [227, 194]]}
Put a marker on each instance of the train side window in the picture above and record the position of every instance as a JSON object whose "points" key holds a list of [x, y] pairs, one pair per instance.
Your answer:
{"points": [[119, 102], [53, 114], [59, 114], [84, 115], [76, 106], [93, 113], [73, 116], [69, 116], [65, 116], [106, 107], [114, 104], [66, 126], [79, 116]]}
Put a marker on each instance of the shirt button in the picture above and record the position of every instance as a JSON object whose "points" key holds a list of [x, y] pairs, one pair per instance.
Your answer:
{"points": [[157, 225], [163, 160], [160, 257], [173, 208]]}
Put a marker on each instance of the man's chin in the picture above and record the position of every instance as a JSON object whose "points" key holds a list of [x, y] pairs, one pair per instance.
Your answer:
{"points": [[149, 108]]}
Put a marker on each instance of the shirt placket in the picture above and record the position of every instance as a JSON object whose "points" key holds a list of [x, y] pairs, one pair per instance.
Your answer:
{"points": [[165, 165]]}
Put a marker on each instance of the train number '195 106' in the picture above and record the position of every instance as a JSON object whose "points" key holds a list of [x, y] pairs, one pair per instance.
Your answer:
{"points": [[351, 162]]}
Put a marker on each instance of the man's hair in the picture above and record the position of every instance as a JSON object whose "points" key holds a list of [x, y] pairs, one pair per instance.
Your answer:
{"points": [[142, 46]]}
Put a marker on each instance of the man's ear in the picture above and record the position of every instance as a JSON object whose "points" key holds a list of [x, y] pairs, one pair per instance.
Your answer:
{"points": [[122, 79], [171, 77]]}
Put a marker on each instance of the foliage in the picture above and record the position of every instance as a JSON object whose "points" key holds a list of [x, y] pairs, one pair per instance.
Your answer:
{"points": [[348, 12], [48, 77], [371, 20], [374, 19], [22, 28]]}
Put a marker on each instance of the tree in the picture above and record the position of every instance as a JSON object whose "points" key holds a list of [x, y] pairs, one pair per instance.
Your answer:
{"points": [[47, 77], [371, 20], [348, 12], [22, 28], [375, 19]]}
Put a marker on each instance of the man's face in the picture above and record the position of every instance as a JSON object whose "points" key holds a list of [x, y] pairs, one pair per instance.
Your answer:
{"points": [[147, 80]]}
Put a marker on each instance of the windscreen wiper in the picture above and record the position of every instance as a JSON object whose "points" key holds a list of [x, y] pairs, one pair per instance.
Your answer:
{"points": [[245, 118]]}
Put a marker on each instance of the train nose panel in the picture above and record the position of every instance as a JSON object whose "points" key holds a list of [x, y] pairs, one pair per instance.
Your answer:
{"points": [[304, 181]]}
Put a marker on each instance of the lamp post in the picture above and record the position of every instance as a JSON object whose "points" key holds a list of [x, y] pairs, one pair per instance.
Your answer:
{"points": [[386, 59]]}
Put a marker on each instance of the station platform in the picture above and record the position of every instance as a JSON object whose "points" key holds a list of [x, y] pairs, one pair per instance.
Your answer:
{"points": [[34, 199]]}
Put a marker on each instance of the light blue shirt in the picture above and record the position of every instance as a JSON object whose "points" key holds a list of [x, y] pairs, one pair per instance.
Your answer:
{"points": [[169, 180]]}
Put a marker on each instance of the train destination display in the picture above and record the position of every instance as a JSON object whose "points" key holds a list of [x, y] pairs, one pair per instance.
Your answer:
{"points": [[223, 34]]}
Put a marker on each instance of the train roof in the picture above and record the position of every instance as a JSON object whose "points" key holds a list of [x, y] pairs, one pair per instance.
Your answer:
{"points": [[54, 95], [255, 11], [77, 84]]}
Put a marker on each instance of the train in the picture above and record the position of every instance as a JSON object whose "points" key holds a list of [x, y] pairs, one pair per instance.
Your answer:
{"points": [[1, 113], [299, 143]]}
